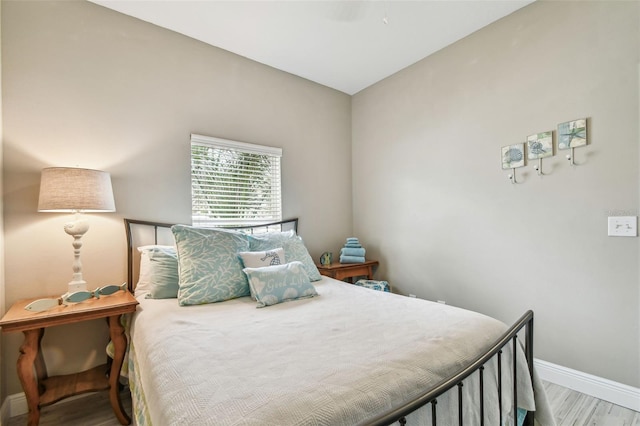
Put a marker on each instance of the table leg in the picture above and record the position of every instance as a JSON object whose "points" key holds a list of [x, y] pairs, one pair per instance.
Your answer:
{"points": [[370, 272], [40, 366], [30, 357], [116, 332]]}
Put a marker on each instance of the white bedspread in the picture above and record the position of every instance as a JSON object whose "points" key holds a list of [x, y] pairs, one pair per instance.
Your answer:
{"points": [[336, 359]]}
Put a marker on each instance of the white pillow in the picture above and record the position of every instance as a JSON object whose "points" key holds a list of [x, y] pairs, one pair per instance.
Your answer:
{"points": [[259, 259]]}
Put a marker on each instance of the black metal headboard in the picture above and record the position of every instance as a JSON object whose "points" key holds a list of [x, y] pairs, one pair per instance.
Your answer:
{"points": [[143, 232]]}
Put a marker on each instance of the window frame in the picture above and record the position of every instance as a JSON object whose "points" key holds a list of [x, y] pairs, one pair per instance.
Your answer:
{"points": [[275, 175]]}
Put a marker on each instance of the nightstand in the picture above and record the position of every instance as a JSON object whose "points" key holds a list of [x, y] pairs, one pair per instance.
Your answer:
{"points": [[41, 389], [340, 271]]}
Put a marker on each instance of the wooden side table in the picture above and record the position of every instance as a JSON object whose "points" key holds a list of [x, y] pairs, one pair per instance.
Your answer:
{"points": [[42, 390], [340, 271]]}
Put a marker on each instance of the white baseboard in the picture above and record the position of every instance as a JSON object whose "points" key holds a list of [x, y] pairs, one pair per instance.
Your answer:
{"points": [[4, 413], [13, 405], [598, 387]]}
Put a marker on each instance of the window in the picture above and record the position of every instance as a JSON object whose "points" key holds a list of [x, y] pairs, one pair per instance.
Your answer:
{"points": [[234, 183]]}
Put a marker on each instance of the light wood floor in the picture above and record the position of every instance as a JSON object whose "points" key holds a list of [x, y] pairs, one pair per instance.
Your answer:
{"points": [[571, 409], [92, 410]]}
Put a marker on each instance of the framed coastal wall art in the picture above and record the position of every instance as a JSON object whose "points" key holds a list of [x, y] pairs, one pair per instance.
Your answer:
{"points": [[572, 134], [512, 156], [540, 145]]}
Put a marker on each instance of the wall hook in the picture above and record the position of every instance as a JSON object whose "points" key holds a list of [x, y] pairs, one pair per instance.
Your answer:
{"points": [[512, 176], [538, 167], [570, 158]]}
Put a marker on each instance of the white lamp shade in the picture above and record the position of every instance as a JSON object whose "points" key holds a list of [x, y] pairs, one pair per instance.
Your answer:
{"points": [[67, 189]]}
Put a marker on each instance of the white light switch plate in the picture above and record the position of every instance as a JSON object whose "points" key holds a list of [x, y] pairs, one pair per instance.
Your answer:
{"points": [[623, 226]]}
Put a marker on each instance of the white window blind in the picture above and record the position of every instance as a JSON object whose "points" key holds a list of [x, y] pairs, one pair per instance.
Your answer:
{"points": [[234, 183]]}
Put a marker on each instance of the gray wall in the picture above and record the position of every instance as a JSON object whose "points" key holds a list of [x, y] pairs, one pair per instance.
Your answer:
{"points": [[434, 205], [86, 86]]}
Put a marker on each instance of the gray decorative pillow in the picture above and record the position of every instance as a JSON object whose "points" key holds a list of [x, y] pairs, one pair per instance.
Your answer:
{"points": [[293, 246], [144, 272], [280, 283], [209, 267]]}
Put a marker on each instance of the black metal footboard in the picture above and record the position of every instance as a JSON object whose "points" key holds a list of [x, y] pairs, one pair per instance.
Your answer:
{"points": [[477, 366]]}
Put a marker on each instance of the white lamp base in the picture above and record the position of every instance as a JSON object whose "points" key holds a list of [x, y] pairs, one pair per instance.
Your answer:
{"points": [[77, 286], [77, 229]]}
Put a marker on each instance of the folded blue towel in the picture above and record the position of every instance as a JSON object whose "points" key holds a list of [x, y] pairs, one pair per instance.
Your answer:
{"points": [[351, 259], [352, 240], [348, 251], [353, 245]]}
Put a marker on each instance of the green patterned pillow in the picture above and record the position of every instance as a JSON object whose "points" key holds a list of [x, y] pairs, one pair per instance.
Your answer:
{"points": [[294, 249], [209, 267], [280, 283]]}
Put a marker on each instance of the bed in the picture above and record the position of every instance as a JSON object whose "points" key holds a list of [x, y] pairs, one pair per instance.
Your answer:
{"points": [[346, 355]]}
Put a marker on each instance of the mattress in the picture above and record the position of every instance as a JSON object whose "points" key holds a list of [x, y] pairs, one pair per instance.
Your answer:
{"points": [[337, 359]]}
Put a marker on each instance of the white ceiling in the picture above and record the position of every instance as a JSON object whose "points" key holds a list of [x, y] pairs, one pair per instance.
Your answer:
{"points": [[347, 45]]}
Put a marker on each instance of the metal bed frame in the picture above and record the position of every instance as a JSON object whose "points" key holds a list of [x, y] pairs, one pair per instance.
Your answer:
{"points": [[477, 366], [430, 396]]}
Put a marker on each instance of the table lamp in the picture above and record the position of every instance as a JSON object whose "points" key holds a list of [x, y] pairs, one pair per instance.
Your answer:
{"points": [[66, 189]]}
